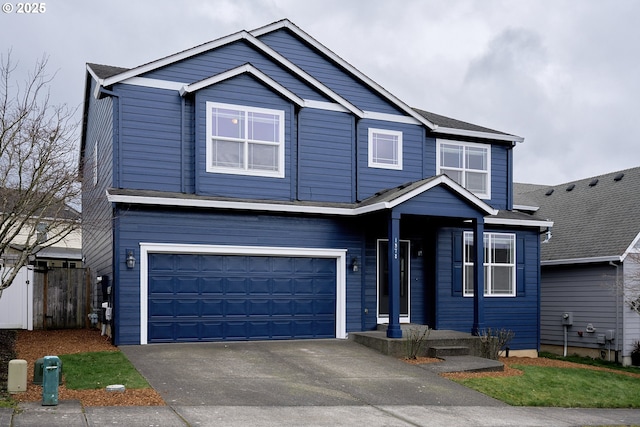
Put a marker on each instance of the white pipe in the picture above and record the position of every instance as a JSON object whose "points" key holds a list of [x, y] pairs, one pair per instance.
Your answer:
{"points": [[566, 327]]}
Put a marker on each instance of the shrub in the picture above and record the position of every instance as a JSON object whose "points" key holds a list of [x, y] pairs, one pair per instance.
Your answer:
{"points": [[493, 341], [414, 341]]}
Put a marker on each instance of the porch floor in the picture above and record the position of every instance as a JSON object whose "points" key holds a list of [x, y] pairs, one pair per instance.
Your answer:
{"points": [[459, 351]]}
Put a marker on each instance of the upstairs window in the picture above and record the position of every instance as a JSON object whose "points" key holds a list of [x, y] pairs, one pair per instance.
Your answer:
{"points": [[385, 149], [499, 264], [467, 164], [245, 140]]}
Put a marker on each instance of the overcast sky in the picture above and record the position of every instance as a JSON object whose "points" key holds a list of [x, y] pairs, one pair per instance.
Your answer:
{"points": [[565, 75]]}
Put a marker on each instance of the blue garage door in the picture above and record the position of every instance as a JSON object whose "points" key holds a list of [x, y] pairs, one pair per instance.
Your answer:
{"points": [[231, 297]]}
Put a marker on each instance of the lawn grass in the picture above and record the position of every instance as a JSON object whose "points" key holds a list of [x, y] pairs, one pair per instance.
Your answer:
{"points": [[561, 387], [95, 370]]}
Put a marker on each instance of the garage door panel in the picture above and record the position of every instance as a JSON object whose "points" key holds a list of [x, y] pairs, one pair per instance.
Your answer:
{"points": [[232, 297], [282, 286], [212, 307], [212, 285], [186, 285], [161, 285], [235, 285], [187, 308]]}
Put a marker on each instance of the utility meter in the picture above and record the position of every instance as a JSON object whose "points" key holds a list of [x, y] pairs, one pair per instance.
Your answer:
{"points": [[567, 318]]}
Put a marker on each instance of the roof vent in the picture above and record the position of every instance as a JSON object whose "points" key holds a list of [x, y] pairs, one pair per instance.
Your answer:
{"points": [[549, 192], [593, 182], [571, 187], [618, 177]]}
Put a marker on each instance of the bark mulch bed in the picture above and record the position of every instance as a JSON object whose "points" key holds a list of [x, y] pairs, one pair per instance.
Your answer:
{"points": [[32, 345]]}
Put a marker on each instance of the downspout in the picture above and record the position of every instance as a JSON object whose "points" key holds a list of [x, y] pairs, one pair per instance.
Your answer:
{"points": [[182, 145], [617, 337]]}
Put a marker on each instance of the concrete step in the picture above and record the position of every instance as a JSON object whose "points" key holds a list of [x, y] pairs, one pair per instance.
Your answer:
{"points": [[444, 351]]}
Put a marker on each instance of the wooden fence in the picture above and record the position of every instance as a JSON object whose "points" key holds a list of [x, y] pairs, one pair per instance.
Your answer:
{"points": [[61, 298]]}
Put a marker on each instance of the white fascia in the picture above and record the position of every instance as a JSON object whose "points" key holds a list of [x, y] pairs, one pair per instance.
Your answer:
{"points": [[285, 23], [246, 68], [526, 208], [519, 222], [567, 261], [477, 134], [307, 209], [632, 248]]}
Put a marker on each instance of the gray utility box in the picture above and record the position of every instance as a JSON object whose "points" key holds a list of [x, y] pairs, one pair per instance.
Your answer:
{"points": [[38, 370], [567, 318]]}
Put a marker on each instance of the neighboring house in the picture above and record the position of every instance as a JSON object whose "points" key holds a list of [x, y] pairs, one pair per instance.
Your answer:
{"points": [[17, 309], [589, 263], [248, 188]]}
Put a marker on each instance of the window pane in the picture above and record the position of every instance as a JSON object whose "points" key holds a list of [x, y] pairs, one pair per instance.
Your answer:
{"points": [[468, 276], [454, 175], [502, 280], [227, 123], [477, 158], [503, 249], [469, 254], [263, 157], [385, 149], [476, 182], [264, 127], [227, 154], [451, 156]]}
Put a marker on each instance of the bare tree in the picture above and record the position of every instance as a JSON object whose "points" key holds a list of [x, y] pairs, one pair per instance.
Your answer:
{"points": [[38, 170], [630, 284]]}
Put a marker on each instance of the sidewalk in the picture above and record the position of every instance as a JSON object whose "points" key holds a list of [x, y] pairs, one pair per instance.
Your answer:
{"points": [[71, 414]]}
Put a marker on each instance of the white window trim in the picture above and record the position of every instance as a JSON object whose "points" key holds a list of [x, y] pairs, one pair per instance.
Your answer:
{"points": [[281, 144], [372, 163], [487, 290], [340, 255], [484, 196]]}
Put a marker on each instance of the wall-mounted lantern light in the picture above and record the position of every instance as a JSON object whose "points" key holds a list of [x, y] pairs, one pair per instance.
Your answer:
{"points": [[355, 265], [131, 260]]}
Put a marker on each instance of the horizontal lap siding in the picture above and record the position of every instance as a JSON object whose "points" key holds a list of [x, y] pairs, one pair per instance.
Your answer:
{"points": [[231, 56], [372, 180], [519, 314], [150, 144], [499, 176], [589, 292], [244, 91], [325, 152], [96, 210], [327, 72], [202, 227]]}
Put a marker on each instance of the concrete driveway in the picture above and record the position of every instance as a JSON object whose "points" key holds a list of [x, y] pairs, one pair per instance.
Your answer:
{"points": [[292, 373]]}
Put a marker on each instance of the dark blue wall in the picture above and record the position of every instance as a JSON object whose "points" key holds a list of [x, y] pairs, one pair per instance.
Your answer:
{"points": [[520, 313]]}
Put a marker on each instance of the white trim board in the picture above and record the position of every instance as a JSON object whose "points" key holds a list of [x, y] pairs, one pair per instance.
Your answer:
{"points": [[340, 255]]}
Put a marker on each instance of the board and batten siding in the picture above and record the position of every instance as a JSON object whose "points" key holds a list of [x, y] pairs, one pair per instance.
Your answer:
{"points": [[519, 314], [151, 141], [245, 91], [224, 58], [327, 72], [97, 237], [589, 292], [235, 229], [325, 156], [372, 180]]}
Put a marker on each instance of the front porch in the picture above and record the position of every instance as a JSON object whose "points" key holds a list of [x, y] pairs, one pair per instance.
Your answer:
{"points": [[460, 351]]}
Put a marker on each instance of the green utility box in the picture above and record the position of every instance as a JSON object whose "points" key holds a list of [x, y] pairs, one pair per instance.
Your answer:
{"points": [[37, 372], [50, 380]]}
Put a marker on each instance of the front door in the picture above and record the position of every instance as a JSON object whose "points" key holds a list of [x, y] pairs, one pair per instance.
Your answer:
{"points": [[383, 281]]}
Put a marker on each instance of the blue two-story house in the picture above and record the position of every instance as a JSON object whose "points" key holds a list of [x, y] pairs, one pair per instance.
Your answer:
{"points": [[260, 187]]}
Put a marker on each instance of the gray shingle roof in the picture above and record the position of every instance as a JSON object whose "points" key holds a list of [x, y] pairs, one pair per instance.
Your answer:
{"points": [[106, 71], [597, 217], [448, 122]]}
